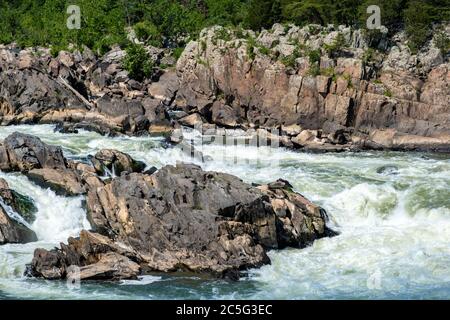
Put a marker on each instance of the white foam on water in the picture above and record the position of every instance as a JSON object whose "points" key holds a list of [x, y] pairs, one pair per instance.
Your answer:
{"points": [[141, 281]]}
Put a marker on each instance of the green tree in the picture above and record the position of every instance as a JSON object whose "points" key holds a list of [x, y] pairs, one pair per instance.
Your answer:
{"points": [[138, 62]]}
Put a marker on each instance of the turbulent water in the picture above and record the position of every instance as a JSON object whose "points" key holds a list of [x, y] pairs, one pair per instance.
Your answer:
{"points": [[392, 211]]}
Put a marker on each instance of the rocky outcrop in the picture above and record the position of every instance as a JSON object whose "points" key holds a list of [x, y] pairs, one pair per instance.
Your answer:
{"points": [[79, 88], [45, 165], [20, 203], [97, 256], [183, 218], [22, 152], [12, 230], [115, 162], [322, 78], [325, 79]]}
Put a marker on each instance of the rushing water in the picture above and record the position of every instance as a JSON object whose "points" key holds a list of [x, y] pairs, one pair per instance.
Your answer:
{"points": [[392, 210]]}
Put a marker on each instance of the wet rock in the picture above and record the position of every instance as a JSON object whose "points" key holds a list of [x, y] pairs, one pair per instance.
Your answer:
{"points": [[191, 120], [305, 137], [182, 218], [21, 204], [97, 257], [115, 162], [388, 170], [12, 231]]}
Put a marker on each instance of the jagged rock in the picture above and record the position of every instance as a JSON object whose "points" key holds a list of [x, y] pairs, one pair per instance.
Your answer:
{"points": [[304, 137], [12, 231], [191, 120], [224, 115], [63, 181], [166, 88], [113, 161], [97, 257], [26, 152], [410, 95], [184, 218], [21, 204]]}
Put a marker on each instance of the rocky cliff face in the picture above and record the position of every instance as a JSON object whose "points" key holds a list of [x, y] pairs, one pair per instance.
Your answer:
{"points": [[321, 87], [322, 79]]}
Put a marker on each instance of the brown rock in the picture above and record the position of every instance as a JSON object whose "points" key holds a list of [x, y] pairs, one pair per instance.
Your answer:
{"points": [[63, 181]]}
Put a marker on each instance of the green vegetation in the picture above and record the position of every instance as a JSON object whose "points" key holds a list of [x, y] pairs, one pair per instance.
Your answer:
{"points": [[388, 93], [335, 47], [442, 42], [148, 33], [171, 23], [137, 62], [314, 61]]}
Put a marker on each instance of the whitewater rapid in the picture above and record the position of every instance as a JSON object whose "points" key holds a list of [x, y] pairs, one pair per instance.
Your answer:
{"points": [[392, 211]]}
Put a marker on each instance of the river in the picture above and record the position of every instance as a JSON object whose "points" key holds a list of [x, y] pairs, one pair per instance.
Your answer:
{"points": [[392, 210]]}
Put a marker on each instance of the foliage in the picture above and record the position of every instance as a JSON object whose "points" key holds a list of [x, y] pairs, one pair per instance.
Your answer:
{"points": [[336, 46], [148, 33], [138, 62], [171, 23], [442, 42]]}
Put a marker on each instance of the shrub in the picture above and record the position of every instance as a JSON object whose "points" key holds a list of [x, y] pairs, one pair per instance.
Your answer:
{"points": [[177, 52], [314, 56], [148, 33], [417, 25], [368, 56], [291, 60], [336, 46], [442, 42], [138, 62]]}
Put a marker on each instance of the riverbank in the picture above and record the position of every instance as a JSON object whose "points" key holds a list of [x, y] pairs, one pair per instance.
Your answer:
{"points": [[318, 87]]}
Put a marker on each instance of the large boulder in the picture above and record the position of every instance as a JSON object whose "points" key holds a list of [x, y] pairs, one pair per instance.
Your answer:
{"points": [[25, 152], [46, 166], [184, 218]]}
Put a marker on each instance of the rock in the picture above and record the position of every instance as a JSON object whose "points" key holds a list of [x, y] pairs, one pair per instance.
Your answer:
{"points": [[26, 152], [304, 137], [21, 204], [224, 115], [64, 182], [388, 170], [176, 137], [110, 266], [66, 59], [409, 95], [292, 130], [97, 257], [166, 88], [191, 121], [12, 231], [182, 218], [156, 130], [115, 162]]}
